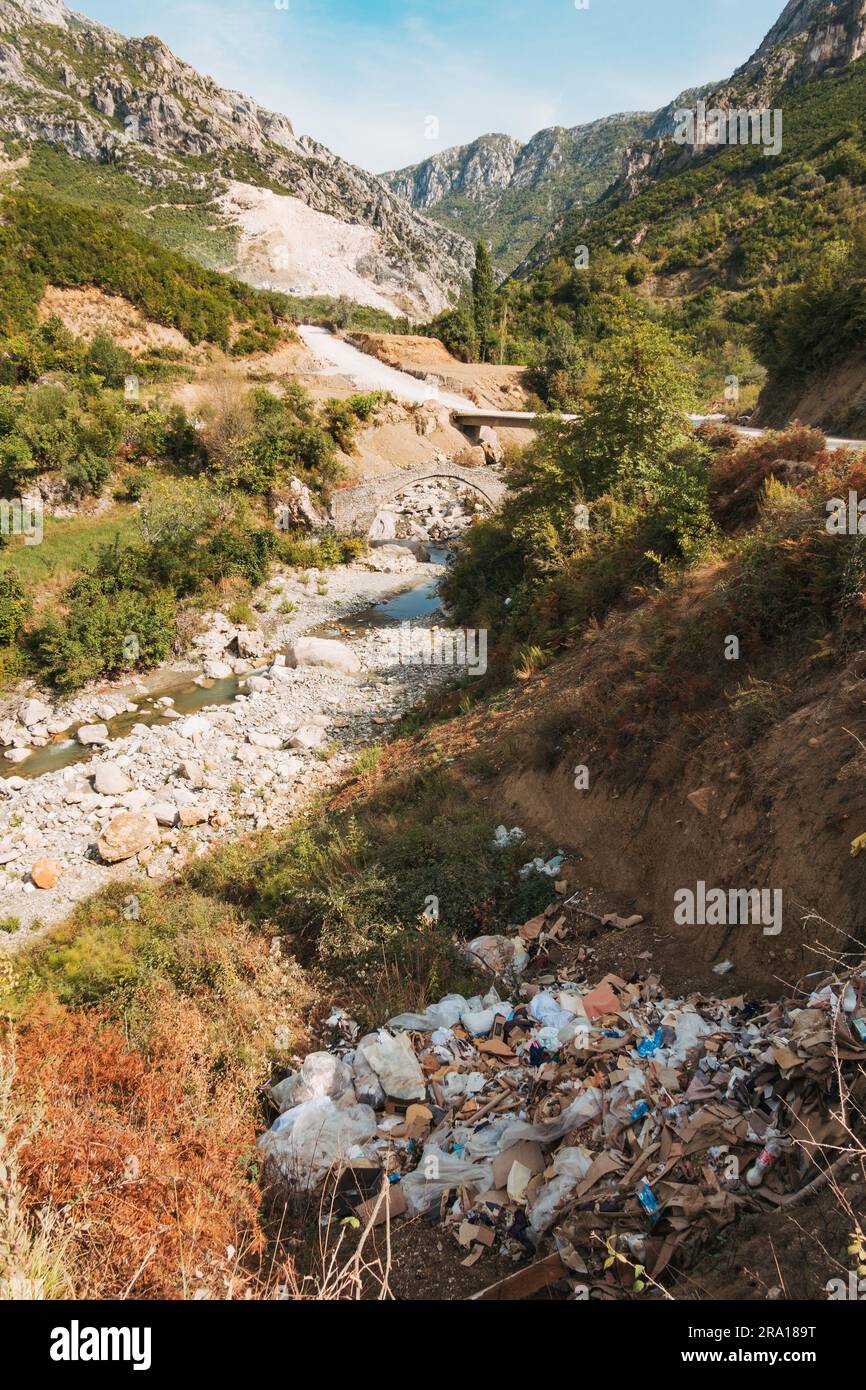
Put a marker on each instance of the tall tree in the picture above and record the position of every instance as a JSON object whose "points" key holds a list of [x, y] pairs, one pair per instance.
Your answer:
{"points": [[484, 300]]}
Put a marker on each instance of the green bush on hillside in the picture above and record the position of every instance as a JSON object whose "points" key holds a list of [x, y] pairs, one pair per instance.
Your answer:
{"points": [[103, 634], [60, 429], [14, 607], [45, 242]]}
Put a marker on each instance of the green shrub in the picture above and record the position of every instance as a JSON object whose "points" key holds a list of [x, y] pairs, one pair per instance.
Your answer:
{"points": [[240, 551], [87, 474], [14, 607], [296, 549], [108, 361], [52, 427], [104, 634]]}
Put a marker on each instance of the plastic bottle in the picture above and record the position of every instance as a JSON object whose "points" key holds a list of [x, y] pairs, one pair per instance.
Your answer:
{"points": [[765, 1162]]}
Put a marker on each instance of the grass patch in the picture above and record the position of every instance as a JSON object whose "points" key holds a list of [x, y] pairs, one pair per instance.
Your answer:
{"points": [[69, 545]]}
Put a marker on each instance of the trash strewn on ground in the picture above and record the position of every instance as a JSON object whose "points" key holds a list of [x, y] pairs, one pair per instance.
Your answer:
{"points": [[583, 1132]]}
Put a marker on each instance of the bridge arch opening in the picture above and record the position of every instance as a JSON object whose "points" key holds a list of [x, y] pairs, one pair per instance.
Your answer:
{"points": [[435, 508]]}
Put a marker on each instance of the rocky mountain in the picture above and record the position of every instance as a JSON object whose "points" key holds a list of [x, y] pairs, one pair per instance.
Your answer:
{"points": [[510, 193], [295, 216], [520, 197], [812, 39]]}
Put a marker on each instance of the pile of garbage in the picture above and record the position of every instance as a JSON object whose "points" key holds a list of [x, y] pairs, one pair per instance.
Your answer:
{"points": [[574, 1127]]}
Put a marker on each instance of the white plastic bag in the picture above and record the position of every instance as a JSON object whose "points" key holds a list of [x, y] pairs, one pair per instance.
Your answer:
{"points": [[572, 1166], [502, 956], [395, 1064], [322, 1074], [442, 1015], [546, 1011], [367, 1086], [585, 1108], [307, 1141]]}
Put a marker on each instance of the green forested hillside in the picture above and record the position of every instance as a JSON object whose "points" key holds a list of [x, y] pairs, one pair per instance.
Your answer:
{"points": [[557, 170], [751, 258], [45, 241]]}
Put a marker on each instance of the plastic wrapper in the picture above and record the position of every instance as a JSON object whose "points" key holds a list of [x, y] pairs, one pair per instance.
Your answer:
{"points": [[570, 1168], [308, 1141], [438, 1172], [395, 1065], [322, 1074]]}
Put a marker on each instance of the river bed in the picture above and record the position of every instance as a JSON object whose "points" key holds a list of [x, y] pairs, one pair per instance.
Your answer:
{"points": [[201, 750]]}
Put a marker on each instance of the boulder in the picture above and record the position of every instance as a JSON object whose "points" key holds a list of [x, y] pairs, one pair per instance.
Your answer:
{"points": [[192, 772], [194, 727], [45, 873], [309, 736], [384, 527], [111, 781], [33, 712], [491, 444], [218, 670], [250, 643], [90, 735], [392, 558], [259, 740], [473, 457], [17, 755], [319, 651], [128, 835], [297, 508], [165, 812]]}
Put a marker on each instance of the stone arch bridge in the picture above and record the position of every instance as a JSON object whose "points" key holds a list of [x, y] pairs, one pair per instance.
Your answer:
{"points": [[354, 509]]}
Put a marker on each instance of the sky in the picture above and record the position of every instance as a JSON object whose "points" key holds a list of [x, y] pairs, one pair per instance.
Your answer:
{"points": [[386, 83]]}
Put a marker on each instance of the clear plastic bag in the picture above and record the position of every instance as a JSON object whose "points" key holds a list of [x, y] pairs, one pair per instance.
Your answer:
{"points": [[322, 1074], [571, 1167], [395, 1064], [309, 1140], [437, 1173]]}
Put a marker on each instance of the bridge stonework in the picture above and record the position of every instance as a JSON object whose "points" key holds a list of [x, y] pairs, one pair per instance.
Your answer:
{"points": [[354, 509]]}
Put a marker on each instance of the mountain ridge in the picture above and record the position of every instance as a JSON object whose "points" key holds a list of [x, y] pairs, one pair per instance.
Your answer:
{"points": [[810, 39], [78, 86], [509, 191]]}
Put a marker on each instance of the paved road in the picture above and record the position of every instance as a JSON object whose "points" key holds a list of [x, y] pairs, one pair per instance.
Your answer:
{"points": [[339, 358], [832, 443]]}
